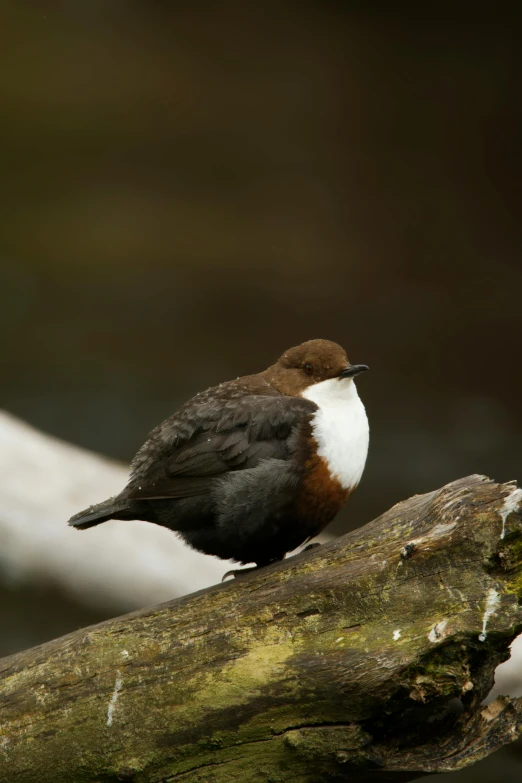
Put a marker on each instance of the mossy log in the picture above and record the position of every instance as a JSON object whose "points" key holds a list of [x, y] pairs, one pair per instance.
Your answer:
{"points": [[370, 655]]}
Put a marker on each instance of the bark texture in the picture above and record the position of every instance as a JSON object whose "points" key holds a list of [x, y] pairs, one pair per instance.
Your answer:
{"points": [[368, 657]]}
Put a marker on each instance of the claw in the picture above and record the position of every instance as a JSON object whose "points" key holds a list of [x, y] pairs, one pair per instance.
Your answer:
{"points": [[237, 573]]}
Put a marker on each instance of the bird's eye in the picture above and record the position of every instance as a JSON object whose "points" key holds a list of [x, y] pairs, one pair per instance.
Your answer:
{"points": [[308, 369]]}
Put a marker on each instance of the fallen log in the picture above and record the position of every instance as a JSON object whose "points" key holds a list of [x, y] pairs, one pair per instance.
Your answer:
{"points": [[370, 656]]}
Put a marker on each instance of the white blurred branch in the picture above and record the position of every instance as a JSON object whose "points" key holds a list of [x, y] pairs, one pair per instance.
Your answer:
{"points": [[43, 481]]}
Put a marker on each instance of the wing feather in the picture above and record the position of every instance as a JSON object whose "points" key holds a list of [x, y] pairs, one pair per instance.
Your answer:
{"points": [[185, 456]]}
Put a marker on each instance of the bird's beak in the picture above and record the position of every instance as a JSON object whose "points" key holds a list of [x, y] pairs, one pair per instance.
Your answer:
{"points": [[353, 370]]}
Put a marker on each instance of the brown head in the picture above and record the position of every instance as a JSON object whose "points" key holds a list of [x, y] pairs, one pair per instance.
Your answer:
{"points": [[309, 363]]}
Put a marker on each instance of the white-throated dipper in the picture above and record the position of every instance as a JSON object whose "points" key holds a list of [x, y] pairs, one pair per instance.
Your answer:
{"points": [[252, 468]]}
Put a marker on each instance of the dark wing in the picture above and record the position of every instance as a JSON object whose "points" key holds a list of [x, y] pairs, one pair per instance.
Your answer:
{"points": [[189, 451]]}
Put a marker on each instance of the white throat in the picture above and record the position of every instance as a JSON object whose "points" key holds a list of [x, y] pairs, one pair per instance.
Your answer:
{"points": [[340, 427]]}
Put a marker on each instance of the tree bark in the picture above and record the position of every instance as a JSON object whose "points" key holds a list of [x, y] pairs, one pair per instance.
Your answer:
{"points": [[368, 657]]}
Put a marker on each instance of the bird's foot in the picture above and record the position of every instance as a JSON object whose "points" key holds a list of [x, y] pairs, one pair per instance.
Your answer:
{"points": [[237, 573]]}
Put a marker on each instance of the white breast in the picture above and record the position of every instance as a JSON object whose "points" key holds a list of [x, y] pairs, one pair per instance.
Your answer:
{"points": [[340, 427]]}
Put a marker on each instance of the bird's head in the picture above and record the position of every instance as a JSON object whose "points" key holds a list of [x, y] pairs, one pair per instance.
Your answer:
{"points": [[310, 364]]}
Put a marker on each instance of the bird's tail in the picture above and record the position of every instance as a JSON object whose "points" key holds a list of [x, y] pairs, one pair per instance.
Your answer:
{"points": [[113, 508]]}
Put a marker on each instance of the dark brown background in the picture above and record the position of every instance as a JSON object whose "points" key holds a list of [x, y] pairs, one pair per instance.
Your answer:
{"points": [[187, 192]]}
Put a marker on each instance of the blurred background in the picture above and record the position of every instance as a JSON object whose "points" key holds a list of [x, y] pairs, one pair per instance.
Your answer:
{"points": [[188, 190]]}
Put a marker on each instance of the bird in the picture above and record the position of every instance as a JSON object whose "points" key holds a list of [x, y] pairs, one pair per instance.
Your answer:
{"points": [[253, 468]]}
